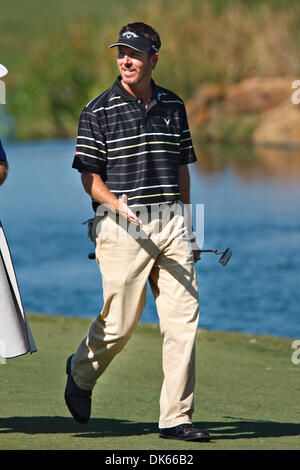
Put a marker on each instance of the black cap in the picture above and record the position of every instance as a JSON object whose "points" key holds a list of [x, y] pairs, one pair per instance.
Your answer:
{"points": [[135, 41]]}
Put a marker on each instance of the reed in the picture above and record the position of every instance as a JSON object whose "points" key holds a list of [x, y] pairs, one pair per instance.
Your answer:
{"points": [[201, 43]]}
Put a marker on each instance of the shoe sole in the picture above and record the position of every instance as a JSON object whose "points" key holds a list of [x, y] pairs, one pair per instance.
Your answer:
{"points": [[196, 439]]}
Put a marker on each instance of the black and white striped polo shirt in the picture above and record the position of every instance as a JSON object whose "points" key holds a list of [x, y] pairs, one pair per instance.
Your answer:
{"points": [[136, 151]]}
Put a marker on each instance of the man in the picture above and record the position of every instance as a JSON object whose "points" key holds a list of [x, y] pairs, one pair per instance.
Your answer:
{"points": [[133, 148], [3, 164]]}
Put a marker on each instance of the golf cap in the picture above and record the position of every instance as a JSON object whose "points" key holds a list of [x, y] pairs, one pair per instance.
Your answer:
{"points": [[3, 70], [138, 42]]}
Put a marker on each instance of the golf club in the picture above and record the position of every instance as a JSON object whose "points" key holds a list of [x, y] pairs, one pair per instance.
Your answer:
{"points": [[226, 255]]}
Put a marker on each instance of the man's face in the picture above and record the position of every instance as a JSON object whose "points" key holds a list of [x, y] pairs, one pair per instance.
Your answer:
{"points": [[135, 66]]}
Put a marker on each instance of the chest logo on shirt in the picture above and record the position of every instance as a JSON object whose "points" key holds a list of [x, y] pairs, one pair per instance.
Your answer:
{"points": [[167, 121]]}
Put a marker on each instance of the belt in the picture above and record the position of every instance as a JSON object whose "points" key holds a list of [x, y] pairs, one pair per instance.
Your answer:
{"points": [[154, 207], [149, 209]]}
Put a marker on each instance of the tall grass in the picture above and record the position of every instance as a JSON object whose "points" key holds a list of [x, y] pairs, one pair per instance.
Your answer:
{"points": [[200, 44]]}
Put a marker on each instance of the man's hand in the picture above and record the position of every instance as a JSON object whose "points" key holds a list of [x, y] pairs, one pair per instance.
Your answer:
{"points": [[97, 189], [125, 210], [195, 248]]}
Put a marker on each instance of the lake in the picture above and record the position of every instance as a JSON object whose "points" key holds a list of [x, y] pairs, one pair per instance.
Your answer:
{"points": [[251, 203]]}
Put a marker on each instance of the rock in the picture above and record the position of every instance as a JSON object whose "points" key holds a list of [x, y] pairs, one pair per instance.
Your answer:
{"points": [[258, 109], [279, 126], [257, 94], [198, 108]]}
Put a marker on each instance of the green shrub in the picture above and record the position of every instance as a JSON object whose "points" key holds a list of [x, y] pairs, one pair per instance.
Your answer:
{"points": [[202, 42]]}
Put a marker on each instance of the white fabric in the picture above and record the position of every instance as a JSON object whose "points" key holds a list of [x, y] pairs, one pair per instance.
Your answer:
{"points": [[15, 335]]}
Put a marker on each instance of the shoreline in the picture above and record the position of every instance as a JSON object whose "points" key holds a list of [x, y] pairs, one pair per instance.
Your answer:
{"points": [[60, 317]]}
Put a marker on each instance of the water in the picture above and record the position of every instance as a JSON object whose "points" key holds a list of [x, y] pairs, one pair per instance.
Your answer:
{"points": [[251, 203]]}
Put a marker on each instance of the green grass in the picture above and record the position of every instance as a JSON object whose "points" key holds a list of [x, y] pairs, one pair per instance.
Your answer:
{"points": [[247, 393]]}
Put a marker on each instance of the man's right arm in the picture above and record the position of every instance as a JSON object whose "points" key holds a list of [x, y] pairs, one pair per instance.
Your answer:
{"points": [[3, 171], [97, 189]]}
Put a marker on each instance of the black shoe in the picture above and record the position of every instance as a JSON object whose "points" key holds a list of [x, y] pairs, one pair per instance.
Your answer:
{"points": [[185, 432], [78, 401]]}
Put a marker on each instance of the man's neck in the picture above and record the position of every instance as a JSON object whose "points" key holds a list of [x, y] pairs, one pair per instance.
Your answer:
{"points": [[142, 91]]}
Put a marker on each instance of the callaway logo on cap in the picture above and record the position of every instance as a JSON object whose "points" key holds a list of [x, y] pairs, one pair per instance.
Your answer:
{"points": [[130, 34], [133, 40]]}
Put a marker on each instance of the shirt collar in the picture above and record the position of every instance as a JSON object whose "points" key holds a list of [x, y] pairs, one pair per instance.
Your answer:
{"points": [[120, 90]]}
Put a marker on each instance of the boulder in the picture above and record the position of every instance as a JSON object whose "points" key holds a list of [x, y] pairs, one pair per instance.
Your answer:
{"points": [[258, 110], [257, 94], [280, 126], [198, 108]]}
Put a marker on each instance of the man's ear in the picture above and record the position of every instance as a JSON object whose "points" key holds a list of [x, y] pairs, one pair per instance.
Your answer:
{"points": [[154, 60]]}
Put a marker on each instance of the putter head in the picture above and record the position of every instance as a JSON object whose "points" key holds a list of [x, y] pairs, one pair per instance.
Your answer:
{"points": [[225, 256]]}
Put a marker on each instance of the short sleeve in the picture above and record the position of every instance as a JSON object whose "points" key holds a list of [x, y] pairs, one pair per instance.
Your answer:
{"points": [[91, 152], [2, 153], [187, 152]]}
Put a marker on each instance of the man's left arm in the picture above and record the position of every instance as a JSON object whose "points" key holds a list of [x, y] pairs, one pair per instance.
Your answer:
{"points": [[184, 189]]}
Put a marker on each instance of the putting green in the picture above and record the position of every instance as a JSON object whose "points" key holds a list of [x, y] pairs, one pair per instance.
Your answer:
{"points": [[247, 393]]}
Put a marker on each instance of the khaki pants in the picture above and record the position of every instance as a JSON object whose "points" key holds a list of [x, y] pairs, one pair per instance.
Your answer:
{"points": [[163, 255]]}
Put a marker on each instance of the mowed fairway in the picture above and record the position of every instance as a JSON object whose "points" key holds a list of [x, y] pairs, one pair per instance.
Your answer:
{"points": [[247, 393]]}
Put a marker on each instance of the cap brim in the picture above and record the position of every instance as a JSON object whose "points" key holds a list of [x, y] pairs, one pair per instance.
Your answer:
{"points": [[127, 44]]}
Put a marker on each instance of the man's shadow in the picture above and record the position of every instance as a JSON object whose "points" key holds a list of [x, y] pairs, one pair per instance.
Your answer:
{"points": [[97, 427], [242, 428], [234, 428]]}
